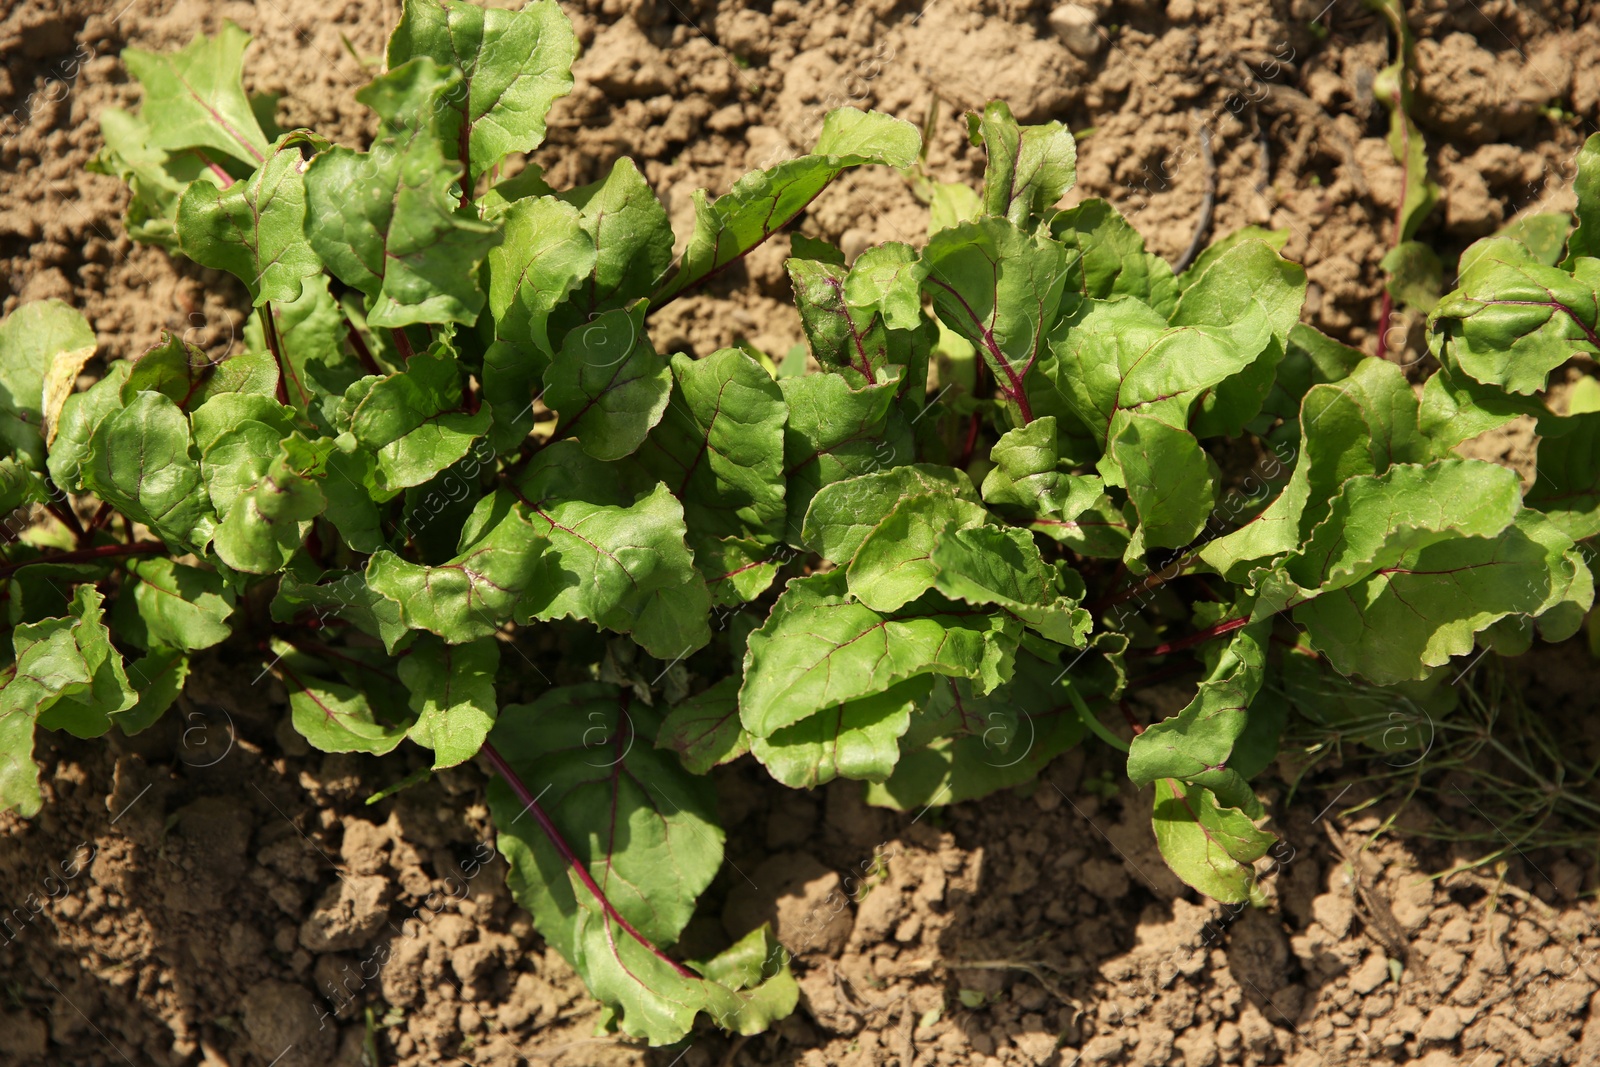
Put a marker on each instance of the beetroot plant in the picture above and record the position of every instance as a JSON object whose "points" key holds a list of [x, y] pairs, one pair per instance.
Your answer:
{"points": [[1012, 469]]}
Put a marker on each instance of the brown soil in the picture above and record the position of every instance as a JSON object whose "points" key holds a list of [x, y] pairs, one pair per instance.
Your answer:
{"points": [[214, 893]]}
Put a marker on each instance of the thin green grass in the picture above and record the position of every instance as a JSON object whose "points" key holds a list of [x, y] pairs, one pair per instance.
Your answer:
{"points": [[1494, 773]]}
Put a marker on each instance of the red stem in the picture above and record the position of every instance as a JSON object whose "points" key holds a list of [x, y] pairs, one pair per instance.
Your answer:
{"points": [[363, 353], [328, 652], [1127, 714], [403, 343], [1200, 638], [69, 519], [87, 555], [222, 176], [1023, 407], [531, 805], [972, 440], [101, 516], [269, 330]]}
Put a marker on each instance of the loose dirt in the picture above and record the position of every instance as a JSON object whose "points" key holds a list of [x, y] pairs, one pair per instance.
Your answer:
{"points": [[212, 892]]}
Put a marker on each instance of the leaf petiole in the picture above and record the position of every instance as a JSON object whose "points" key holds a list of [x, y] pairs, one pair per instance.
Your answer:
{"points": [[1096, 727], [88, 555]]}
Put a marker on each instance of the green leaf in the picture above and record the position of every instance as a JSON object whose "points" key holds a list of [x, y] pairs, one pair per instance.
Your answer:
{"points": [[413, 421], [21, 486], [1249, 296], [1358, 426], [886, 280], [1376, 521], [263, 528], [859, 739], [512, 372], [644, 833], [720, 445], [452, 695], [87, 712], [1416, 276], [626, 569], [529, 181], [1584, 396], [737, 569], [835, 432], [632, 241], [819, 649], [981, 743], [1112, 359], [894, 563], [195, 98], [43, 346], [844, 513], [1112, 260], [1273, 239], [608, 384], [349, 484], [763, 202], [155, 179], [1571, 580], [988, 565], [1196, 745], [81, 416], [1030, 167], [1456, 408], [1170, 480], [1406, 619], [514, 64], [178, 606], [237, 435], [1094, 346], [838, 337], [345, 595], [704, 730], [1027, 474], [755, 962], [644, 827], [1029, 479], [1585, 237], [546, 254], [159, 677], [333, 716], [141, 461], [803, 247], [1260, 292], [48, 665], [1393, 87], [311, 339], [1567, 487], [470, 596], [999, 288], [1543, 234], [951, 204], [1312, 358], [1209, 846], [385, 221], [254, 229], [1512, 320], [174, 368]]}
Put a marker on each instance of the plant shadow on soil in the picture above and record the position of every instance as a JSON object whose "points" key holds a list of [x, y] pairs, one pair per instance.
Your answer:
{"points": [[1039, 926], [227, 896]]}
